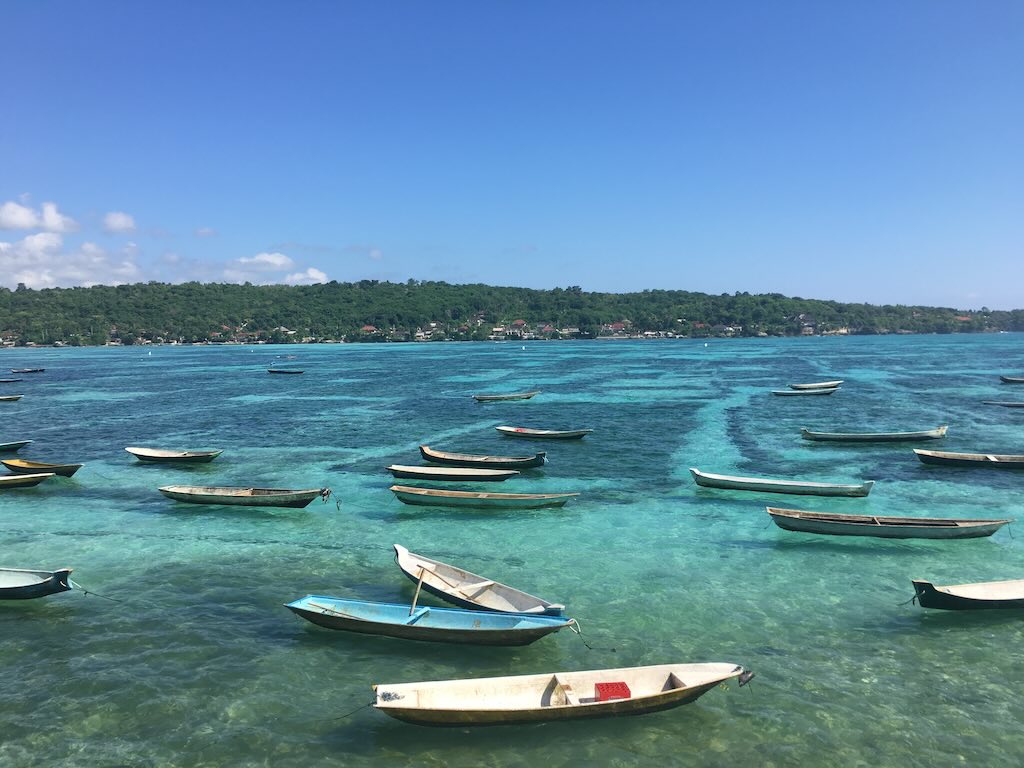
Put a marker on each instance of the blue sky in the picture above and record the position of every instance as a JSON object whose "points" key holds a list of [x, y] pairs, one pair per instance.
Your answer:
{"points": [[867, 151]]}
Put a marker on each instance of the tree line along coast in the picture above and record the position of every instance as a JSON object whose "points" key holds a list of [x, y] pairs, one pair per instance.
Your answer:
{"points": [[375, 311]]}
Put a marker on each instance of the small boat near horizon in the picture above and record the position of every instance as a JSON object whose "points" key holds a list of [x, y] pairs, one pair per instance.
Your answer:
{"points": [[244, 497], [468, 590], [10, 381], [1004, 379], [426, 623], [553, 695], [817, 385], [482, 461], [21, 584], [27, 370], [457, 474], [10, 398], [24, 481], [978, 460], [967, 597], [766, 485], [173, 457], [26, 467], [1003, 403], [832, 524], [511, 396], [437, 497], [11, 447], [544, 434], [874, 437], [796, 392], [286, 371]]}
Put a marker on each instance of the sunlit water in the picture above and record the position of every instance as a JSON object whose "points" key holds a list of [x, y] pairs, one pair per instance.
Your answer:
{"points": [[200, 664]]}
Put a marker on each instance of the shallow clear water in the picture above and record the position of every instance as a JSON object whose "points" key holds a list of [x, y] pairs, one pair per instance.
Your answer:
{"points": [[200, 664]]}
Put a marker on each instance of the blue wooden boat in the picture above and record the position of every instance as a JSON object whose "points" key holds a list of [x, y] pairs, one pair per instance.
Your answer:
{"points": [[439, 625], [20, 584]]}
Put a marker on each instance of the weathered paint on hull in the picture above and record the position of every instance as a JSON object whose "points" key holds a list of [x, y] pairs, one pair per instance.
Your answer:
{"points": [[886, 532], [929, 597]]}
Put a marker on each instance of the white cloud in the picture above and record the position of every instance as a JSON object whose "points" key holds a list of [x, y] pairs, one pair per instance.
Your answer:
{"points": [[206, 232], [118, 221], [39, 261], [267, 261], [15, 216], [309, 277]]}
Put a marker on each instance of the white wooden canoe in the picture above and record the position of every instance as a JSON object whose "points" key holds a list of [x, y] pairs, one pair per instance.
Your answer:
{"points": [[459, 474], [979, 595], [552, 696], [24, 481], [174, 457], [544, 434], [952, 459], [10, 398], [818, 385], [245, 497], [437, 497], [873, 437], [468, 590], [803, 487], [21, 584], [832, 524], [797, 392], [511, 396], [482, 461]]}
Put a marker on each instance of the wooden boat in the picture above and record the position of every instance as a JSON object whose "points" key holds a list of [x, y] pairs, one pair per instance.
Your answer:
{"points": [[27, 370], [544, 434], [818, 385], [19, 584], [10, 381], [437, 497], [173, 457], [1012, 379], [460, 474], [439, 625], [25, 467], [13, 446], [285, 371], [883, 527], [965, 597], [873, 437], [512, 396], [709, 480], [466, 589], [10, 398], [950, 459], [244, 497], [483, 462], [1002, 403], [24, 481], [553, 696], [795, 392]]}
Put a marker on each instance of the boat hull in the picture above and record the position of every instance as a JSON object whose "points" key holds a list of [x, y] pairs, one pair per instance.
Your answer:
{"points": [[173, 457], [467, 476], [44, 583], [1004, 379], [975, 460], [544, 434], [540, 698], [417, 496], [272, 497], [928, 595], [873, 437], [759, 485], [807, 392], [284, 371], [20, 467], [512, 396], [884, 527], [17, 445], [471, 629], [818, 385], [24, 481], [481, 461]]}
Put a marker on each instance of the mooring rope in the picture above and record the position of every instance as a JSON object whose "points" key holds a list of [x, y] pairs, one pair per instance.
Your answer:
{"points": [[86, 592], [574, 626]]}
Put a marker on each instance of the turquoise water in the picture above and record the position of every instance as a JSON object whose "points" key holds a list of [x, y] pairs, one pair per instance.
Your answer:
{"points": [[201, 665]]}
